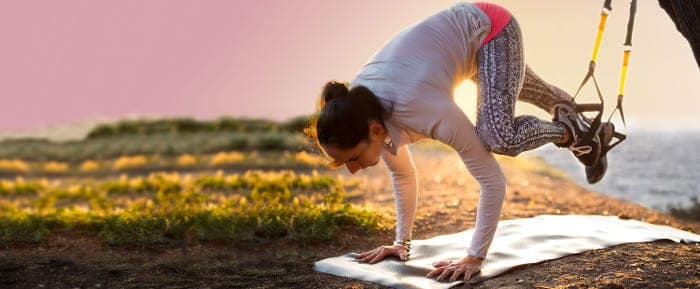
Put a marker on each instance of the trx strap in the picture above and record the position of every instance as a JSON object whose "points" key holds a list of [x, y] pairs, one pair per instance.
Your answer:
{"points": [[623, 73], [599, 107]]}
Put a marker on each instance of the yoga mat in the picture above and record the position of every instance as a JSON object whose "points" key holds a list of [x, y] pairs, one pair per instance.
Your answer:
{"points": [[517, 242]]}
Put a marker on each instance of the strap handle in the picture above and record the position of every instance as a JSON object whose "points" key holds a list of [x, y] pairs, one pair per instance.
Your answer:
{"points": [[625, 61]]}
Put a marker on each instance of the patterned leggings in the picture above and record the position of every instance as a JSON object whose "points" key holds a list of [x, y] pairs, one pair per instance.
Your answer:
{"points": [[500, 80]]}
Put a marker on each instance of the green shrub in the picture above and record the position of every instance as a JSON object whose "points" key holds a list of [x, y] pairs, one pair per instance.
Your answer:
{"points": [[237, 143], [297, 124], [272, 141], [691, 212]]}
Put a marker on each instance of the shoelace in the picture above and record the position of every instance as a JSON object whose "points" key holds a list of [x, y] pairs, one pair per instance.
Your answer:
{"points": [[580, 150], [577, 150]]}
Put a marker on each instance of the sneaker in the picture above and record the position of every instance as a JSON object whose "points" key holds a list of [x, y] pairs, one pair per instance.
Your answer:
{"points": [[596, 172], [584, 144]]}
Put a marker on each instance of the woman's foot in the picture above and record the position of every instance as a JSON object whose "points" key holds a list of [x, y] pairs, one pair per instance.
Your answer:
{"points": [[596, 172], [565, 140], [585, 147]]}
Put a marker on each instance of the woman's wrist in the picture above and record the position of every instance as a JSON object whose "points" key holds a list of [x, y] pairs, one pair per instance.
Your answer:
{"points": [[475, 258], [406, 244]]}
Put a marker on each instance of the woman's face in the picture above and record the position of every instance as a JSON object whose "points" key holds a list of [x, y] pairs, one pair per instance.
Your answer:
{"points": [[365, 154]]}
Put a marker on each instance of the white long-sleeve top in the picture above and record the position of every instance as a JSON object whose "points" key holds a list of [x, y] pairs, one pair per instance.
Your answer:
{"points": [[414, 76]]}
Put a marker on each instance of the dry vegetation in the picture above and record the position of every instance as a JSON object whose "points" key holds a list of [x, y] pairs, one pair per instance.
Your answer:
{"points": [[447, 203]]}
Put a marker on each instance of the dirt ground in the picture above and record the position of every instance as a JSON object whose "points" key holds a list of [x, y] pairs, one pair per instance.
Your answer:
{"points": [[447, 203]]}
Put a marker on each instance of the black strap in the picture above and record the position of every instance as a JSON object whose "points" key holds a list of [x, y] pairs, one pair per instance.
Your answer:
{"points": [[630, 23]]}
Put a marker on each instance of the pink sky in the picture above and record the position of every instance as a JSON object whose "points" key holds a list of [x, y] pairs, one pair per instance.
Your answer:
{"points": [[68, 61]]}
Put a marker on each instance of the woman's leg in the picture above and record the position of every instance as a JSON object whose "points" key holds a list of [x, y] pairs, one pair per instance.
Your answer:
{"points": [[500, 77], [540, 93]]}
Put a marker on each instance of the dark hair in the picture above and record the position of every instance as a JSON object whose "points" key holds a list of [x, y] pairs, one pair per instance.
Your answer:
{"points": [[343, 116]]}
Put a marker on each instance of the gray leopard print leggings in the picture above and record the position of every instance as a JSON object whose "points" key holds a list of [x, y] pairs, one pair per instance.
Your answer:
{"points": [[501, 82]]}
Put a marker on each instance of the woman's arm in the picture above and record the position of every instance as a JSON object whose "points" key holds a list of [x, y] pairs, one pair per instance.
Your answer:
{"points": [[403, 177], [405, 185], [453, 128]]}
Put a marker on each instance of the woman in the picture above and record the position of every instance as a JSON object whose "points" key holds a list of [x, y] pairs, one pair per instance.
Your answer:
{"points": [[404, 93]]}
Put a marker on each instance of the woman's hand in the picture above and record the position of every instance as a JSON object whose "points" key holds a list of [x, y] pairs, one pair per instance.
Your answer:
{"points": [[468, 266], [376, 255]]}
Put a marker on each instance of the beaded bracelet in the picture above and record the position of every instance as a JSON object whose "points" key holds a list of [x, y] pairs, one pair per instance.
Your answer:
{"points": [[406, 244]]}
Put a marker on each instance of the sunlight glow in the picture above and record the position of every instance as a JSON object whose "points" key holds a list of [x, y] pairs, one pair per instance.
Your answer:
{"points": [[465, 95]]}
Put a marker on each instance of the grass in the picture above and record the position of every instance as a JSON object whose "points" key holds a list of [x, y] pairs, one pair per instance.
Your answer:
{"points": [[141, 164], [163, 144], [536, 165], [169, 207], [189, 125]]}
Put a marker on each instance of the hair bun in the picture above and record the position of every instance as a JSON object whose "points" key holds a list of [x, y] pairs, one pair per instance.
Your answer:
{"points": [[334, 89]]}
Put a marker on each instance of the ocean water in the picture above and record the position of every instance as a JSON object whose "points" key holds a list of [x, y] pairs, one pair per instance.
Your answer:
{"points": [[655, 169]]}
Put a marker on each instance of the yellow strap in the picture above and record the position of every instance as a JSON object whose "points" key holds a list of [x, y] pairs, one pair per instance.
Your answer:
{"points": [[601, 28], [625, 59]]}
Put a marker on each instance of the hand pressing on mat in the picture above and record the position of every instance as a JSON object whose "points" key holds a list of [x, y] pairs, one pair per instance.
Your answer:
{"points": [[376, 255], [468, 266]]}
